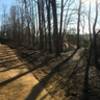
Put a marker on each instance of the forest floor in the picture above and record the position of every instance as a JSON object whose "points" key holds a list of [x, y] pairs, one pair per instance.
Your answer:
{"points": [[31, 75]]}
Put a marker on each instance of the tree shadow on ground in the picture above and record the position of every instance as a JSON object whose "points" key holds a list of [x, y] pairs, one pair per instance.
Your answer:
{"points": [[86, 88], [29, 58], [5, 82], [37, 89]]}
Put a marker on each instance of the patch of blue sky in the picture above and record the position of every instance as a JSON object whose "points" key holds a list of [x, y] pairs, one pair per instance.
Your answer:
{"points": [[5, 5]]}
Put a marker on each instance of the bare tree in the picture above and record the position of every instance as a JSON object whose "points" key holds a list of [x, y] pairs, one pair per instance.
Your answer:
{"points": [[55, 26], [60, 29], [4, 21], [89, 20], [41, 23], [94, 35], [78, 24], [49, 24]]}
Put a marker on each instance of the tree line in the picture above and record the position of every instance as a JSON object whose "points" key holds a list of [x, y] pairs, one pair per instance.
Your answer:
{"points": [[45, 24]]}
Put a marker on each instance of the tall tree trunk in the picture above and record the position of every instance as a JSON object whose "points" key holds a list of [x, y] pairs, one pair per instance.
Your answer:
{"points": [[49, 25], [89, 21], [60, 31], [40, 25], [94, 37], [78, 25], [55, 26]]}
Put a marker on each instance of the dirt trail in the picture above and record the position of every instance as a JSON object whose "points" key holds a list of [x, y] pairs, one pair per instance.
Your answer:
{"points": [[66, 83], [20, 88]]}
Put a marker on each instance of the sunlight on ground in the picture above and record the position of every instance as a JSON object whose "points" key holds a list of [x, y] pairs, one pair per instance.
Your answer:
{"points": [[20, 88]]}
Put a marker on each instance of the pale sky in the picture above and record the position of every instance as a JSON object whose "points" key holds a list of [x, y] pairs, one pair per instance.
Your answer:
{"points": [[5, 4], [9, 3]]}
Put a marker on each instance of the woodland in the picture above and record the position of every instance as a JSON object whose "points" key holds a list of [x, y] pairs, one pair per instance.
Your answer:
{"points": [[49, 50]]}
